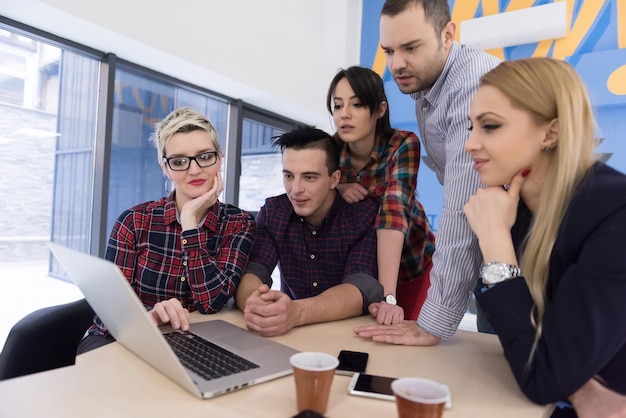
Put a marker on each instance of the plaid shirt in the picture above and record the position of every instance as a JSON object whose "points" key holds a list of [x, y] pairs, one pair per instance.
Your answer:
{"points": [[200, 267], [312, 260], [390, 175]]}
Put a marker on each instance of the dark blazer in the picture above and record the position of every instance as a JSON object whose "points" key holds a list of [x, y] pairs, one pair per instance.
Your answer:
{"points": [[584, 325]]}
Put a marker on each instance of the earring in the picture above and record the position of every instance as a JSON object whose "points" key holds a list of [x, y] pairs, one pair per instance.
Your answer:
{"points": [[547, 148], [169, 186]]}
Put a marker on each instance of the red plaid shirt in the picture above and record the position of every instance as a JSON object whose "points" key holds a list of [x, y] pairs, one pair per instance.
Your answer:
{"points": [[200, 267], [390, 175]]}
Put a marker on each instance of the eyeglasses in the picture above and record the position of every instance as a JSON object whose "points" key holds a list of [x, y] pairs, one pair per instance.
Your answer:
{"points": [[205, 159]]}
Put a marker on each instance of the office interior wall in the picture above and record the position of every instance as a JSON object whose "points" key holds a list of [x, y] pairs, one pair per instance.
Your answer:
{"points": [[278, 55]]}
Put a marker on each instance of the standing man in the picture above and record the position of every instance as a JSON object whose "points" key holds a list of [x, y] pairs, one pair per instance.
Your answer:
{"points": [[325, 247], [442, 76]]}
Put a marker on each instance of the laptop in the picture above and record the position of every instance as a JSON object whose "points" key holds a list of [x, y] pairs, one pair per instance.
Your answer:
{"points": [[251, 359]]}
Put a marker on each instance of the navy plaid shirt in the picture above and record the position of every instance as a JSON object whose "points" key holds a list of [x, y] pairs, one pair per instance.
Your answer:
{"points": [[200, 267], [312, 260]]}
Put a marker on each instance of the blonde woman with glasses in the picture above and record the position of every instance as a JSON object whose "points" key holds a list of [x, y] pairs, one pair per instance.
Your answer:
{"points": [[186, 251]]}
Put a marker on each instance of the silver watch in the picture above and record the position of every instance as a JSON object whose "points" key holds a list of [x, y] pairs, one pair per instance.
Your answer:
{"points": [[391, 299], [495, 272]]}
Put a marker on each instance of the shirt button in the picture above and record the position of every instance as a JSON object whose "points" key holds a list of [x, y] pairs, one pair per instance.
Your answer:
{"points": [[314, 232], [314, 284], [312, 256], [182, 279], [184, 241], [185, 263]]}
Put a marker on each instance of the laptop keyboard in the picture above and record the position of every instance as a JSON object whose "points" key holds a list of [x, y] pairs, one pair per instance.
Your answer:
{"points": [[205, 358]]}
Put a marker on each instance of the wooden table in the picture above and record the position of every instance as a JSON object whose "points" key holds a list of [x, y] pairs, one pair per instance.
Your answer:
{"points": [[113, 382]]}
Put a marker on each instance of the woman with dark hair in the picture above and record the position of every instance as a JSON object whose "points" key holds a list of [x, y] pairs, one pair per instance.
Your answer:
{"points": [[381, 163]]}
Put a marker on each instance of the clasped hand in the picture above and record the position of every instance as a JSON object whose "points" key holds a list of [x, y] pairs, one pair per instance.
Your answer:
{"points": [[269, 312]]}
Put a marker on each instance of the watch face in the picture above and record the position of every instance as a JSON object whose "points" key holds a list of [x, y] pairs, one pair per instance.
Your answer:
{"points": [[390, 299], [494, 273], [497, 272]]}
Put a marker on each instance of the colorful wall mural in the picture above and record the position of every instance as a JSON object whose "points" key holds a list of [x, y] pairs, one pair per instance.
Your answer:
{"points": [[595, 45]]}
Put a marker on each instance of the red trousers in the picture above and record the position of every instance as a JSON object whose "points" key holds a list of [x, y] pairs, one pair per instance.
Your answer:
{"points": [[411, 295]]}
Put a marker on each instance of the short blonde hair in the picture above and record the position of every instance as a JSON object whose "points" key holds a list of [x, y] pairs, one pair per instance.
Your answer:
{"points": [[181, 120]]}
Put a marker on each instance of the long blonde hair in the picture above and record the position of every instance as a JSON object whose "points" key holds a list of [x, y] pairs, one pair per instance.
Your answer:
{"points": [[549, 89]]}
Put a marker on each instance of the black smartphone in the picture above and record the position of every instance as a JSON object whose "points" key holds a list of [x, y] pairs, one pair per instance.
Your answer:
{"points": [[372, 386], [351, 362]]}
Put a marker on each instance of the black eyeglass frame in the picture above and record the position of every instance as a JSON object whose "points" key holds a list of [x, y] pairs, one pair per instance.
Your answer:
{"points": [[166, 160]]}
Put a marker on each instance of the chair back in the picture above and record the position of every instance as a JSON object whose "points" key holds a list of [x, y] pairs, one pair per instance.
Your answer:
{"points": [[45, 339]]}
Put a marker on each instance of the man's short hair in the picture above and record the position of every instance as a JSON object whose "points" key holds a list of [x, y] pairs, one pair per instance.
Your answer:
{"points": [[310, 138], [436, 12]]}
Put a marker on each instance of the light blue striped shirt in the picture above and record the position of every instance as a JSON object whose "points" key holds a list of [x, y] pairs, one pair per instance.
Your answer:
{"points": [[442, 116]]}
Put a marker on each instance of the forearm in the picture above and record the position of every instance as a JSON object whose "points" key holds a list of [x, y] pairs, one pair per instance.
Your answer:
{"points": [[249, 283], [456, 265], [389, 251], [496, 243], [595, 400], [457, 259], [214, 274], [498, 249], [585, 393], [339, 302]]}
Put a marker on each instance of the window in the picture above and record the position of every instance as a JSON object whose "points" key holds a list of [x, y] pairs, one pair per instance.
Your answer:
{"points": [[261, 165], [74, 144], [48, 107]]}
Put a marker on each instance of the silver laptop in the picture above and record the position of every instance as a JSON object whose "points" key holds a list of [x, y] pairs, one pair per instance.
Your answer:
{"points": [[116, 303]]}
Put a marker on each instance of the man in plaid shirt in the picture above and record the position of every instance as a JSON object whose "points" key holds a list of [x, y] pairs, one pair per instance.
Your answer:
{"points": [[325, 248]]}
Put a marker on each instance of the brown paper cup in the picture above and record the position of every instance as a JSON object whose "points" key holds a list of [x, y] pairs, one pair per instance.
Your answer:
{"points": [[313, 374], [419, 398]]}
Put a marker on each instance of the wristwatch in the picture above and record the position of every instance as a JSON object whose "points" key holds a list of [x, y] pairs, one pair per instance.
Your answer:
{"points": [[495, 272], [391, 299]]}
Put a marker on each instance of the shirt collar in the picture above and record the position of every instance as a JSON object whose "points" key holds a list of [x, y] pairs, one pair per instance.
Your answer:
{"points": [[171, 213], [344, 157], [334, 208]]}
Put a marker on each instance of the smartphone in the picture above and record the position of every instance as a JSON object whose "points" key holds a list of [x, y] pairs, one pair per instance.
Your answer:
{"points": [[378, 387], [371, 386], [351, 362]]}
